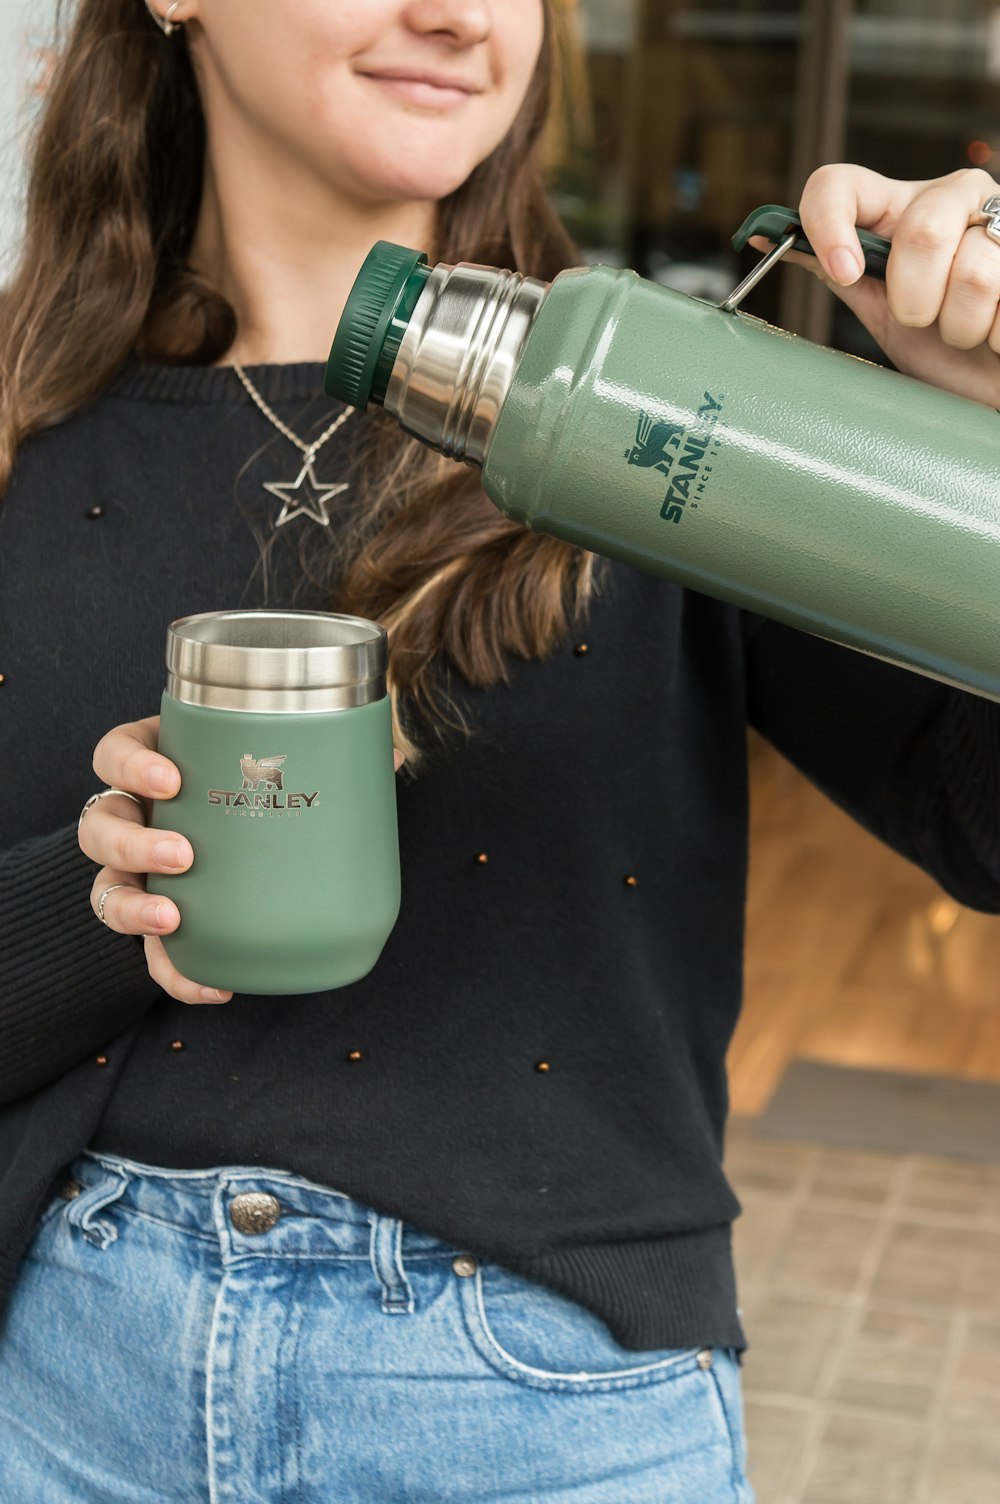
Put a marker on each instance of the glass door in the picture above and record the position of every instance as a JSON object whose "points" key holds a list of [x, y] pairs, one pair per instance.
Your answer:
{"points": [[701, 112]]}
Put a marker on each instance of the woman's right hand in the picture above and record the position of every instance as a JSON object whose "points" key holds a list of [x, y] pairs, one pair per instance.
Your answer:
{"points": [[114, 833]]}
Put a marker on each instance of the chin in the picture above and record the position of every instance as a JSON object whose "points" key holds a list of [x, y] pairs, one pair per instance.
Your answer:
{"points": [[418, 183], [410, 155]]}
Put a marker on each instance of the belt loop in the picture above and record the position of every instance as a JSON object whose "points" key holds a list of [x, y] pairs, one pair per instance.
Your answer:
{"points": [[82, 1210], [387, 1265]]}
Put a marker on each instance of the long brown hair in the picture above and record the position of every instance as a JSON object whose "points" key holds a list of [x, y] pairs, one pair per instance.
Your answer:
{"points": [[114, 191]]}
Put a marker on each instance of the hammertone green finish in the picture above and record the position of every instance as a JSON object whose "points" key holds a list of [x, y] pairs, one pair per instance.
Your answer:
{"points": [[289, 902], [844, 499]]}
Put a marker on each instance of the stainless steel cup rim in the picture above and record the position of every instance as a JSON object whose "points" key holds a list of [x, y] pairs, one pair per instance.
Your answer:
{"points": [[256, 659]]}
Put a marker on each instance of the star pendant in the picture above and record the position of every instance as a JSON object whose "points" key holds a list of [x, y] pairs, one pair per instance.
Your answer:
{"points": [[311, 503]]}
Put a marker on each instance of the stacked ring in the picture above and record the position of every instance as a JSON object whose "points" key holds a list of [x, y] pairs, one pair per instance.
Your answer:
{"points": [[100, 901], [103, 795], [91, 801], [989, 217]]}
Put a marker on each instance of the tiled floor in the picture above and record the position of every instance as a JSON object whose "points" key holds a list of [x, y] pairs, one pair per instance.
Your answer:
{"points": [[870, 1289]]}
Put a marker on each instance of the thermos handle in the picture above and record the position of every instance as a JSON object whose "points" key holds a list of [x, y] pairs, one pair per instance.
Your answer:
{"points": [[774, 223], [784, 227]]}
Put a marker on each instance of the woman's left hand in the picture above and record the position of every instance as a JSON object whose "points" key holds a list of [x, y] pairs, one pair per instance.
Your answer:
{"points": [[937, 315]]}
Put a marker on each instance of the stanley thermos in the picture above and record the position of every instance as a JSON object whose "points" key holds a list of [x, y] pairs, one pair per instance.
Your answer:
{"points": [[281, 727], [699, 443]]}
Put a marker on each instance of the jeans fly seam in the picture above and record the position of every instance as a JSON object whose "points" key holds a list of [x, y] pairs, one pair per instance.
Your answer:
{"points": [[287, 1383], [213, 1492]]}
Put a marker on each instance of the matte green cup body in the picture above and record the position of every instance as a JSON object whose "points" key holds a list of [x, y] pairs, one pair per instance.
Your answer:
{"points": [[294, 888], [844, 499]]}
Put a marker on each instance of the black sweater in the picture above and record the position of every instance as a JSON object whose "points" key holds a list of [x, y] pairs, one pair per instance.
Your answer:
{"points": [[599, 1177]]}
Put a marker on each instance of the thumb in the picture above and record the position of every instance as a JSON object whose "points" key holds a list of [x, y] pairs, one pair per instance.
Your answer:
{"points": [[868, 299]]}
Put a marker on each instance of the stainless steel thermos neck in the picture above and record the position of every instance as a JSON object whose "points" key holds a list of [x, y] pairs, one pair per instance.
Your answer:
{"points": [[456, 362]]}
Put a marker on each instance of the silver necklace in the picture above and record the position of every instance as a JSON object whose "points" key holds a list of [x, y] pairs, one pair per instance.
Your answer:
{"points": [[306, 496]]}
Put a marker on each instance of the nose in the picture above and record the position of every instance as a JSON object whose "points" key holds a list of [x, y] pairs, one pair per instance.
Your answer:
{"points": [[463, 23]]}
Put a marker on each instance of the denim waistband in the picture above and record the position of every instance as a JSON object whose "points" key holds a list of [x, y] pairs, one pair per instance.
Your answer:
{"points": [[248, 1212]]}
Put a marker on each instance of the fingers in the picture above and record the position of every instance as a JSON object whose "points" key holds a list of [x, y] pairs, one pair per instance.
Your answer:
{"points": [[113, 832], [120, 839], [968, 315], [932, 234], [166, 974], [841, 195], [126, 758], [941, 273], [130, 910]]}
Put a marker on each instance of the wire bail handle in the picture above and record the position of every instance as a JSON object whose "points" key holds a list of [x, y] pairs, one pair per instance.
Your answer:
{"points": [[783, 227], [757, 273]]}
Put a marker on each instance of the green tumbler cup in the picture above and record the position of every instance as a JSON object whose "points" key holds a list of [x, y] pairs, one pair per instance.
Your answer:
{"points": [[281, 726]]}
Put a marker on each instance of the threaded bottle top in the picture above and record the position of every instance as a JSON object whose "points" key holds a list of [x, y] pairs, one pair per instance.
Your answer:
{"points": [[373, 323]]}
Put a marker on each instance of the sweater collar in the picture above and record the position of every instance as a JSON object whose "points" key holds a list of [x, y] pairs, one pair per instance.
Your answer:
{"points": [[294, 382]]}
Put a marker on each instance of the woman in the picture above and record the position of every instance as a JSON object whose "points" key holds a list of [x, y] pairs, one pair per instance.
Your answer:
{"points": [[458, 1231]]}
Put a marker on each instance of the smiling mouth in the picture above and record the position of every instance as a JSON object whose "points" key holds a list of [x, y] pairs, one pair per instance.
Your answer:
{"points": [[423, 91]]}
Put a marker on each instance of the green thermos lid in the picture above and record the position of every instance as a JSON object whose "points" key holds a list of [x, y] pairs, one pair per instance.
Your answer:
{"points": [[374, 322]]}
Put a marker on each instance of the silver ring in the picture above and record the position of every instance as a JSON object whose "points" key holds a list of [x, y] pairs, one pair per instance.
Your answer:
{"points": [[103, 795], [100, 901], [989, 217]]}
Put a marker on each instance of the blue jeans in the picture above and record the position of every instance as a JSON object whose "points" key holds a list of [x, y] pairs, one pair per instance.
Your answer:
{"points": [[244, 1336]]}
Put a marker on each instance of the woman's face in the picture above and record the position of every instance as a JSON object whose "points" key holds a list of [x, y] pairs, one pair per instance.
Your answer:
{"points": [[385, 99]]}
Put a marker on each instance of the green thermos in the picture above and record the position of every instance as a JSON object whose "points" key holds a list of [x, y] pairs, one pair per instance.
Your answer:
{"points": [[281, 727], [702, 444]]}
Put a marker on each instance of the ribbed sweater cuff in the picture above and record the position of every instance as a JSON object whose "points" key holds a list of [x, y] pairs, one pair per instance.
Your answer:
{"points": [[70, 983]]}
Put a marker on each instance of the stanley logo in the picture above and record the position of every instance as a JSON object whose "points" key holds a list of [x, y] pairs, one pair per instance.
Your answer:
{"points": [[264, 770], [682, 454], [653, 442], [252, 800]]}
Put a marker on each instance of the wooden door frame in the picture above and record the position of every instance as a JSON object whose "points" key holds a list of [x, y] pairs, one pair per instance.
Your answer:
{"points": [[820, 136]]}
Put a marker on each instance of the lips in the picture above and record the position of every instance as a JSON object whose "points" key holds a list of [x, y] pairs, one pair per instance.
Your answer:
{"points": [[435, 91], [421, 76]]}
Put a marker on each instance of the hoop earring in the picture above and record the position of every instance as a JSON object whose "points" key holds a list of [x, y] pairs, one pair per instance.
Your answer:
{"points": [[166, 25]]}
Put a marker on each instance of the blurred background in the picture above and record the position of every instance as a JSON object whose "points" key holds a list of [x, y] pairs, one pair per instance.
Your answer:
{"points": [[26, 27], [865, 1071], [697, 114]]}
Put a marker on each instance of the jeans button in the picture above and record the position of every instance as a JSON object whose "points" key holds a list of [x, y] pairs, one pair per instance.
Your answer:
{"points": [[705, 1358], [254, 1211], [69, 1189], [464, 1264]]}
